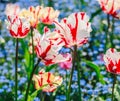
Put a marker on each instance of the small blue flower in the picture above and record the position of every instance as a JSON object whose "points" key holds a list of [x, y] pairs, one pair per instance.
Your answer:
{"points": [[1, 90], [5, 87], [20, 97], [82, 82], [90, 92], [9, 90], [22, 81], [36, 99]]}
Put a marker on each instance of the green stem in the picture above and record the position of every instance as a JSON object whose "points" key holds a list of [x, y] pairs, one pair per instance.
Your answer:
{"points": [[33, 71], [66, 83], [71, 75], [16, 63], [32, 47], [114, 82], [107, 31], [51, 96], [43, 98], [112, 33], [78, 74]]}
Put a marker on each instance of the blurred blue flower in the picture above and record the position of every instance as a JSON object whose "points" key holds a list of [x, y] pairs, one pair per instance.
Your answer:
{"points": [[20, 97], [5, 87], [36, 99], [108, 99], [90, 92], [8, 90], [22, 81], [1, 90], [82, 82]]}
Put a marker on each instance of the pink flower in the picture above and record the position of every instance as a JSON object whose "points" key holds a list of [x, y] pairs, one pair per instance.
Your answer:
{"points": [[112, 61], [66, 64], [48, 15], [47, 48], [111, 7], [18, 27], [46, 81], [75, 29], [12, 9]]}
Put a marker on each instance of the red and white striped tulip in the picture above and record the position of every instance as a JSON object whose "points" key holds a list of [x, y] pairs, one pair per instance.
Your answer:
{"points": [[47, 48], [112, 61], [111, 7], [74, 30], [47, 81], [18, 27], [48, 15]]}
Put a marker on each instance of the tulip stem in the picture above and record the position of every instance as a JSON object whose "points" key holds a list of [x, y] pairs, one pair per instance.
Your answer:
{"points": [[66, 83], [31, 75], [112, 33], [114, 82], [107, 31], [71, 75], [78, 74], [16, 68], [51, 96], [32, 47]]}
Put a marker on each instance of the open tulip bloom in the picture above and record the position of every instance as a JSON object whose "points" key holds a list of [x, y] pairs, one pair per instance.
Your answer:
{"points": [[46, 81], [32, 15], [111, 7], [47, 48], [74, 30], [18, 27], [47, 15], [112, 61]]}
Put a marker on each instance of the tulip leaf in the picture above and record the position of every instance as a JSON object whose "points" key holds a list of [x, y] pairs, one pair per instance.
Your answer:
{"points": [[29, 98], [26, 57], [96, 69], [48, 68]]}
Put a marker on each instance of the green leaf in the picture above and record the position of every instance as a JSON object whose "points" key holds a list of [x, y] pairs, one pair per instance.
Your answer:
{"points": [[26, 57], [48, 68], [96, 69], [29, 98], [34, 94]]}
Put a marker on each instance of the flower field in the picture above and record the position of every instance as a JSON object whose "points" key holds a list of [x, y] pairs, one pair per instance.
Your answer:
{"points": [[59, 50]]}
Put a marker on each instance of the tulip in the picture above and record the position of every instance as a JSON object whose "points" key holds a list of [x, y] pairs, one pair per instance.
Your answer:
{"points": [[74, 30], [47, 81], [48, 15], [47, 47], [32, 15], [18, 27], [112, 61], [111, 7]]}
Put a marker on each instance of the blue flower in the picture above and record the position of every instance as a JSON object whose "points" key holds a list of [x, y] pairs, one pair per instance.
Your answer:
{"points": [[36, 99], [1, 90]]}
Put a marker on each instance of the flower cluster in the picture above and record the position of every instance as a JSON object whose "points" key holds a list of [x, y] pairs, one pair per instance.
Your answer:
{"points": [[32, 15]]}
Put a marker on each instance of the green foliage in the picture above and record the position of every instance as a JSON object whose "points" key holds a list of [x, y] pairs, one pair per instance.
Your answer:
{"points": [[96, 69]]}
